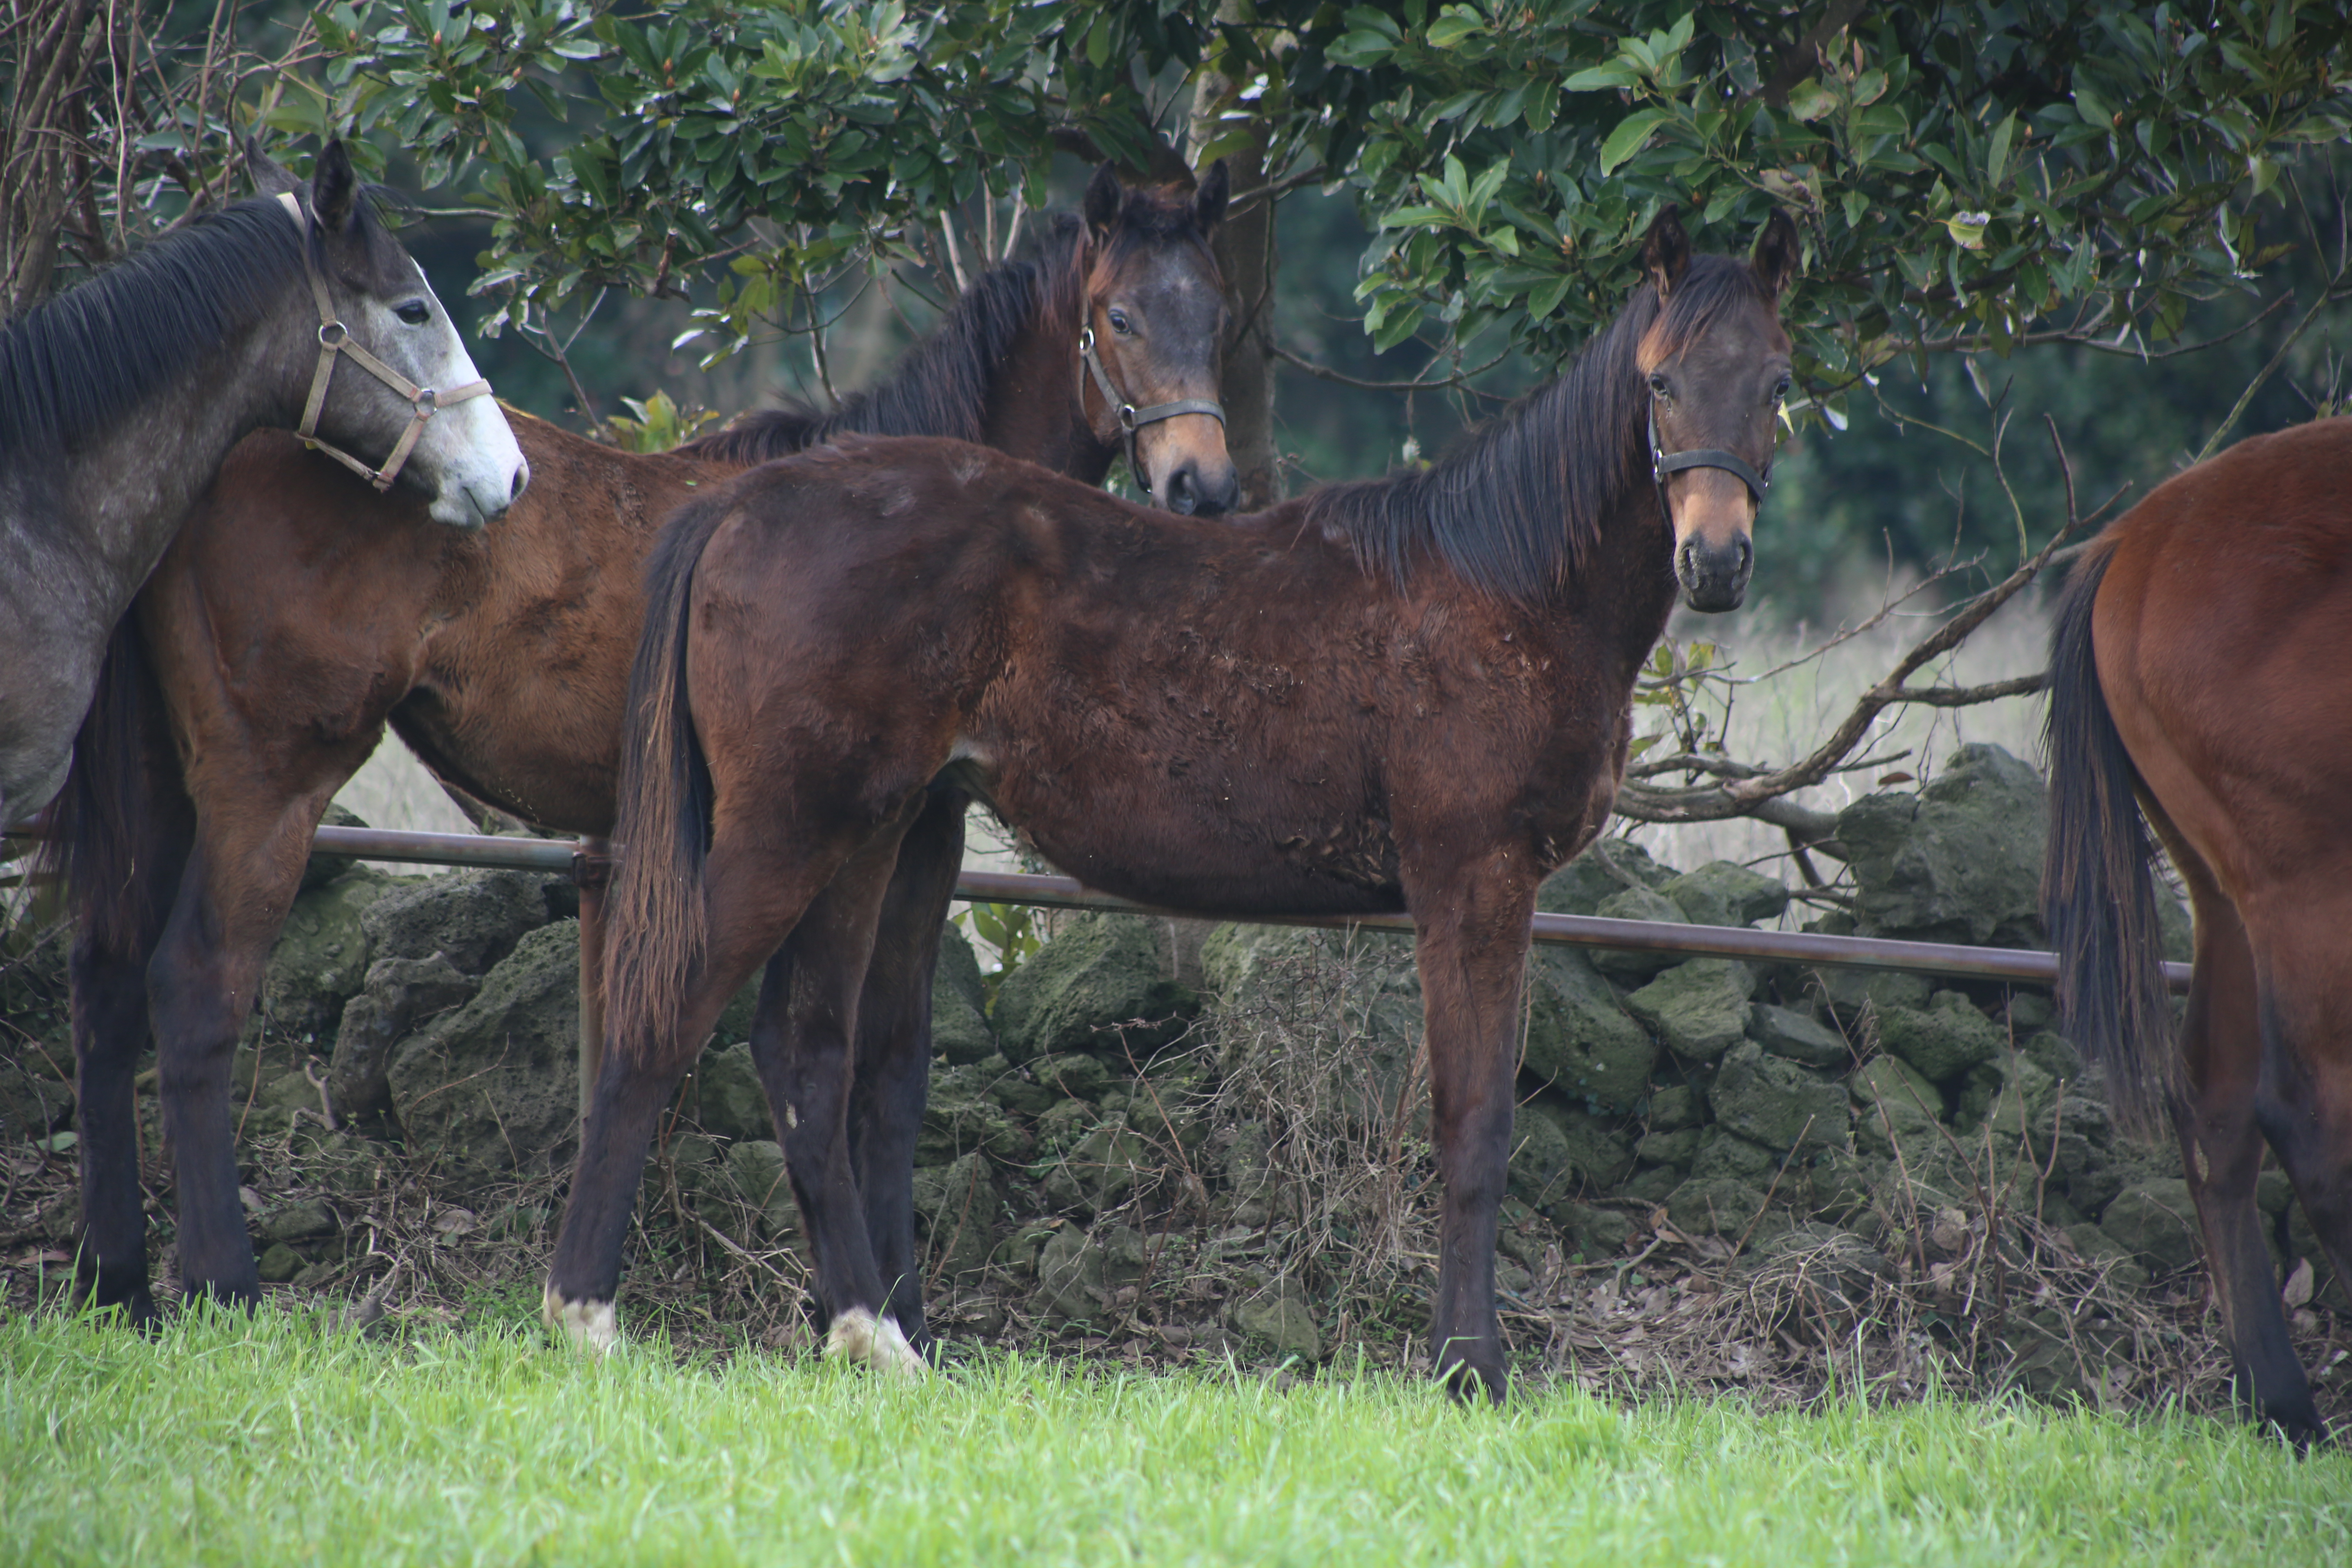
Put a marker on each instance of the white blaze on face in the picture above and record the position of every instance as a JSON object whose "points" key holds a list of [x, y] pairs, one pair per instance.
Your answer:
{"points": [[468, 447]]}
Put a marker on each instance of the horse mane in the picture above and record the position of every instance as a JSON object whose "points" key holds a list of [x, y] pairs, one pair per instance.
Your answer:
{"points": [[942, 386], [77, 364], [1518, 507]]}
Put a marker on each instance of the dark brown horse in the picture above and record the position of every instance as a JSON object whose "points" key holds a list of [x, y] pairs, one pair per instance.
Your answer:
{"points": [[2196, 675], [300, 613], [1408, 694]]}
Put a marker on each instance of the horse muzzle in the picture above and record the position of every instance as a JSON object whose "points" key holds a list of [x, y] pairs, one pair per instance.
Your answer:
{"points": [[1713, 575]]}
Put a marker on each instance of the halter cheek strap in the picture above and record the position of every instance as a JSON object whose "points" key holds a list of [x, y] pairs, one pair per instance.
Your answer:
{"points": [[1662, 463], [1131, 418], [335, 342]]}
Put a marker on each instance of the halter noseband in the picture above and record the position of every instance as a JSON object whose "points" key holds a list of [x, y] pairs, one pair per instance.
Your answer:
{"points": [[1662, 463], [1131, 418], [334, 340]]}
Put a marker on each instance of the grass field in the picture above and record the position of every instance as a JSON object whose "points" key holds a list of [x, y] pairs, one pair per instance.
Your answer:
{"points": [[249, 1442]]}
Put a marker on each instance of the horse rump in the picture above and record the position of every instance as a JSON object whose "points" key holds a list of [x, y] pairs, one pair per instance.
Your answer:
{"points": [[2098, 894]]}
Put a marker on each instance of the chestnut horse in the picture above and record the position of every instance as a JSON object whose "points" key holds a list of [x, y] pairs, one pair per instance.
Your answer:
{"points": [[2193, 681], [298, 614], [1407, 694]]}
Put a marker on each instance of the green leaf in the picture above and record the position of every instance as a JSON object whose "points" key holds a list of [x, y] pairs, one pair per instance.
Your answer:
{"points": [[1997, 152], [1544, 298], [1628, 138], [1610, 77]]}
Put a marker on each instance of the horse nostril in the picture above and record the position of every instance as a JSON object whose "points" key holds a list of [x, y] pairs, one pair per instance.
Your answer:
{"points": [[522, 481], [1183, 493]]}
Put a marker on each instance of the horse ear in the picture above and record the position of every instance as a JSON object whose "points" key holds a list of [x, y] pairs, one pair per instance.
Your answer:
{"points": [[270, 178], [334, 189], [1665, 251], [1778, 254], [1208, 201], [1105, 196]]}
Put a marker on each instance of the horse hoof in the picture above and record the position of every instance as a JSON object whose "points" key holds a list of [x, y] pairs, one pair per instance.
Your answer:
{"points": [[591, 1325], [858, 1335]]}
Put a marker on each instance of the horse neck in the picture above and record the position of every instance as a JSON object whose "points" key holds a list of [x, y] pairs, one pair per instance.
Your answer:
{"points": [[1620, 601], [122, 495], [1035, 410]]}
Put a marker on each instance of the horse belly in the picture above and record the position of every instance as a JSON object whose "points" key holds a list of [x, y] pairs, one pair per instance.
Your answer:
{"points": [[1232, 842]]}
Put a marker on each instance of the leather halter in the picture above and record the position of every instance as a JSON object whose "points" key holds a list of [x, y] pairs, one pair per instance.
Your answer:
{"points": [[1131, 418], [335, 341], [1662, 463]]}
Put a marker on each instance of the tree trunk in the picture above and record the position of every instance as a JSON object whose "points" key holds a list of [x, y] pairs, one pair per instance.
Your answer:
{"points": [[1245, 255]]}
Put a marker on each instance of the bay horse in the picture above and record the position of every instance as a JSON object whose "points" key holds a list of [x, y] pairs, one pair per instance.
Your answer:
{"points": [[120, 398], [2197, 687], [298, 614], [1407, 694]]}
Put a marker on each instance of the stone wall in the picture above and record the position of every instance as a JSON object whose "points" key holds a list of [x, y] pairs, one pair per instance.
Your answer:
{"points": [[1096, 1119]]}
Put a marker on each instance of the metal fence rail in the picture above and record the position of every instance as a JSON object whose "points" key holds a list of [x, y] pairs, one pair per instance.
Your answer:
{"points": [[1066, 893]]}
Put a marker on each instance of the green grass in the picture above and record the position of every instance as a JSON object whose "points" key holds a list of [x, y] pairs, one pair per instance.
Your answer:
{"points": [[237, 1441]]}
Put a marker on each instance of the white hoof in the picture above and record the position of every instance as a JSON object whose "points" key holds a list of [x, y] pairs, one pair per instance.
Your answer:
{"points": [[591, 1325], [858, 1335]]}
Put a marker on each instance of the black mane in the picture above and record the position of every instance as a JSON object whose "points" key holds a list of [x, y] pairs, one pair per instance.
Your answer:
{"points": [[77, 364], [1519, 506], [941, 387]]}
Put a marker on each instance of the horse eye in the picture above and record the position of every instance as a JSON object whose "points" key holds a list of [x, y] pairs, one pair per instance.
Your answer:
{"points": [[1658, 386], [1119, 323], [1780, 390], [414, 312]]}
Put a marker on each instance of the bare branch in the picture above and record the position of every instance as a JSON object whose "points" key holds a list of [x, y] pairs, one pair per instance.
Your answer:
{"points": [[1323, 372]]}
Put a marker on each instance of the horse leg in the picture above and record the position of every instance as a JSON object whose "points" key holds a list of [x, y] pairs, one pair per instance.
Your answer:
{"points": [[756, 894], [1471, 946], [2221, 1150], [201, 987], [894, 1048], [804, 1043], [2304, 1096], [109, 1032]]}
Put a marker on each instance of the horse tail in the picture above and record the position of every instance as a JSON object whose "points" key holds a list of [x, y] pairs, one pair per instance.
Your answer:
{"points": [[105, 815], [2098, 895], [659, 919]]}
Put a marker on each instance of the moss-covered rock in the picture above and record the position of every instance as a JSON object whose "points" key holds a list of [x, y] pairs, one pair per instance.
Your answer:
{"points": [[399, 997], [2155, 1221], [1101, 985], [1605, 869], [494, 1086], [1794, 1037], [322, 957], [1279, 1316], [756, 1169], [472, 918], [1714, 1206], [727, 1099], [1698, 1007], [1076, 1272], [959, 1031], [1721, 893], [959, 1205], [1896, 1109], [1352, 999], [1960, 860], [1580, 1039], [1942, 1040], [1630, 967], [1778, 1103]]}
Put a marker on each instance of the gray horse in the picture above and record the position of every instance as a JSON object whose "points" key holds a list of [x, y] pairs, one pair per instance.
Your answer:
{"points": [[120, 398]]}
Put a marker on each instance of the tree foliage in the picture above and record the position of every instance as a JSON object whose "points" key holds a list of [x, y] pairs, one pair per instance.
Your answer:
{"points": [[1972, 177]]}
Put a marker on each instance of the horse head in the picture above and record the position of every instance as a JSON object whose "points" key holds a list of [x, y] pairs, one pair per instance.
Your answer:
{"points": [[410, 398], [1153, 338], [1717, 361]]}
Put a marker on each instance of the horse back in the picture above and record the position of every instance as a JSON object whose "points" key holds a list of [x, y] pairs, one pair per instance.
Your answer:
{"points": [[1113, 678]]}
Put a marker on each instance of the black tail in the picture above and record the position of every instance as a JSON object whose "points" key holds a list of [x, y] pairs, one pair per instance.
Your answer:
{"points": [[121, 803], [2098, 896], [658, 918]]}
